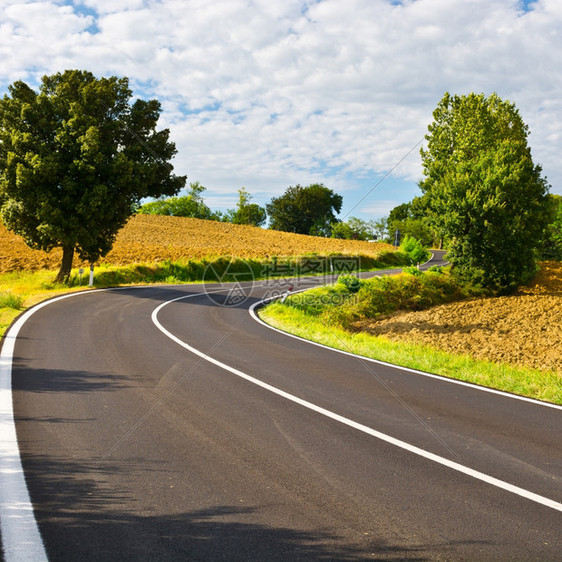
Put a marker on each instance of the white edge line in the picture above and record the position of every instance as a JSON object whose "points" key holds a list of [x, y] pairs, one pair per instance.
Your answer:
{"points": [[441, 378], [21, 539], [360, 427]]}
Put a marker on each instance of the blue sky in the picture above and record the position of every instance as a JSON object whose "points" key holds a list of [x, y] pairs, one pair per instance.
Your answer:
{"points": [[270, 93]]}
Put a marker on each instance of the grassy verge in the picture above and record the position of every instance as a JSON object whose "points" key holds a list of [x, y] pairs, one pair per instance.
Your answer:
{"points": [[326, 315]]}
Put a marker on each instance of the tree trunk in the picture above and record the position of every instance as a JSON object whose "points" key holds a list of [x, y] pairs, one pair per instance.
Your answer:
{"points": [[66, 265]]}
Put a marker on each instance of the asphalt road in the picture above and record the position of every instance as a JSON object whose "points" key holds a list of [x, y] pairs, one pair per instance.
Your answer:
{"points": [[136, 448]]}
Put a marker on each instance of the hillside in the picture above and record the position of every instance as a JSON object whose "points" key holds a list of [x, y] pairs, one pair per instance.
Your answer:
{"points": [[152, 238], [524, 329]]}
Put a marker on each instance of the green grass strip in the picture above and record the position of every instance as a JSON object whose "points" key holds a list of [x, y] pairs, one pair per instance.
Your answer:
{"points": [[541, 385]]}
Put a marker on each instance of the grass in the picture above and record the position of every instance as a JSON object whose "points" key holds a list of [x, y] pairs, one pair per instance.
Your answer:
{"points": [[546, 386]]}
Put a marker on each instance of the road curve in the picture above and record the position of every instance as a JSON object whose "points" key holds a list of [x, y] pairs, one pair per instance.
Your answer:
{"points": [[136, 448]]}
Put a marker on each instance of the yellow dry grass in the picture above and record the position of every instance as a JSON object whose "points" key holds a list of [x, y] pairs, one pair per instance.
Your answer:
{"points": [[152, 238]]}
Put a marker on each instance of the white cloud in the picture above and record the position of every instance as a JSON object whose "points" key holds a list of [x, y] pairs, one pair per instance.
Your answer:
{"points": [[270, 93]]}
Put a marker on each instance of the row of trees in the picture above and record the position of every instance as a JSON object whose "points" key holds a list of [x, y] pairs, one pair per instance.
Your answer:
{"points": [[78, 157], [192, 205]]}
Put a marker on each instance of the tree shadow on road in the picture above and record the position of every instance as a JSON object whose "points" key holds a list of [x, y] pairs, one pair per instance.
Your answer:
{"points": [[82, 518]]}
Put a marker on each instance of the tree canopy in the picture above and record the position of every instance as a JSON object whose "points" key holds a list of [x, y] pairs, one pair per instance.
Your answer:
{"points": [[483, 189], [305, 210], [190, 205], [356, 229], [76, 158]]}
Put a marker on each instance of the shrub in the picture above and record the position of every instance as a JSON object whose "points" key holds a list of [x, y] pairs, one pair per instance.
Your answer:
{"points": [[414, 249], [412, 270], [383, 295], [351, 282], [317, 301]]}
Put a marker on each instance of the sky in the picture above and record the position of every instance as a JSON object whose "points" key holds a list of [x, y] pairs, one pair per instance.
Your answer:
{"points": [[266, 94]]}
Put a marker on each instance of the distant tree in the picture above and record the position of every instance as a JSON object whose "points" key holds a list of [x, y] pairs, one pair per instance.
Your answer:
{"points": [[410, 220], [76, 158], [400, 212], [305, 210], [380, 227], [416, 228], [190, 205], [355, 229], [246, 212], [484, 190]]}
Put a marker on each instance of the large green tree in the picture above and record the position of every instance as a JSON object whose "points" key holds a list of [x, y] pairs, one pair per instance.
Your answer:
{"points": [[76, 158], [483, 189], [305, 210]]}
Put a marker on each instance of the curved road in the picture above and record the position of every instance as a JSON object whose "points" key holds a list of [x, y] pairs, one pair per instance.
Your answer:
{"points": [[156, 424]]}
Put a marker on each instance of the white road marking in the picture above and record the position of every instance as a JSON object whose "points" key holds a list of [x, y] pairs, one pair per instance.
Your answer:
{"points": [[360, 427], [20, 534], [441, 378], [21, 539]]}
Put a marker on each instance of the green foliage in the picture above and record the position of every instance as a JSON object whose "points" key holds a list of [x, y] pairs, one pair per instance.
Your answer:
{"points": [[190, 205], [305, 210], [551, 244], [9, 300], [246, 212], [400, 212], [416, 228], [352, 282], [414, 250], [350, 300], [317, 301], [76, 158], [410, 291], [483, 190], [411, 220], [412, 270], [356, 229]]}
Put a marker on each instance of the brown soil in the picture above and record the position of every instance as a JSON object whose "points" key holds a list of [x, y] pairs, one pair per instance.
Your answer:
{"points": [[524, 329]]}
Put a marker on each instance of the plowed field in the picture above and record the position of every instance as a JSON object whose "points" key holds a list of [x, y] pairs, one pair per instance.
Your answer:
{"points": [[524, 329], [152, 238]]}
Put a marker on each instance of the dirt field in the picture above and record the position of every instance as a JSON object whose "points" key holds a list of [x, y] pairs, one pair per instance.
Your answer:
{"points": [[151, 238], [524, 329]]}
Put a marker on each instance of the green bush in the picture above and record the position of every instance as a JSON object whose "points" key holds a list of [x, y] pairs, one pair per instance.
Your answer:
{"points": [[317, 301], [414, 250], [351, 282], [383, 295], [412, 270]]}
